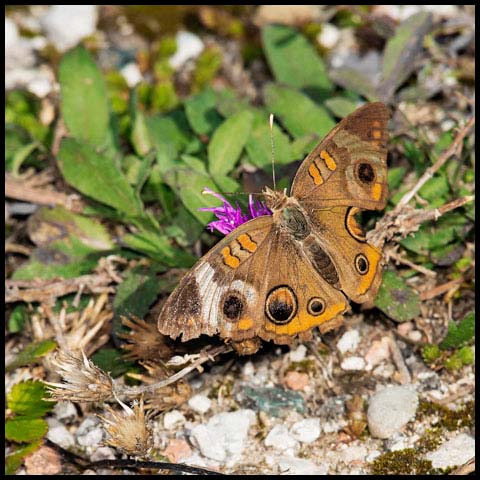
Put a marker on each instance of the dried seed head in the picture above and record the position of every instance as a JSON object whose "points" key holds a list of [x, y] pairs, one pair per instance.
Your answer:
{"points": [[144, 341], [83, 381], [129, 431]]}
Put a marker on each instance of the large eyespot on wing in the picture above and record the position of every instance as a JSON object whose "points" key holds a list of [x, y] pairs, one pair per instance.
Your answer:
{"points": [[201, 303], [348, 167]]}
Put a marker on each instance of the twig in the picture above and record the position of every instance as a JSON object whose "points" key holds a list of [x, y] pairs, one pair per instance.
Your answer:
{"points": [[41, 196], [445, 287], [466, 468], [441, 160], [397, 357], [46, 291], [391, 253], [204, 357]]}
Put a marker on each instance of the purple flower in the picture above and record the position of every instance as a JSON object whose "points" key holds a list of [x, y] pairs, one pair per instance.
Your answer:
{"points": [[230, 217]]}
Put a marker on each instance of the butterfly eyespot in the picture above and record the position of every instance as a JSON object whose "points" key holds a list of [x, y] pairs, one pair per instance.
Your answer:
{"points": [[365, 173], [233, 305], [316, 306], [281, 305], [361, 264]]}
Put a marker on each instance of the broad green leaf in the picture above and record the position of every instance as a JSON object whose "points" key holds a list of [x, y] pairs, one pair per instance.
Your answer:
{"points": [[227, 143], [294, 61], [18, 318], [259, 146], [111, 360], [26, 398], [401, 52], [435, 190], [21, 155], [201, 113], [31, 353], [459, 334], [395, 176], [25, 429], [396, 299], [302, 146], [140, 136], [298, 113], [356, 81], [341, 106], [14, 459], [84, 101], [228, 103], [97, 176]]}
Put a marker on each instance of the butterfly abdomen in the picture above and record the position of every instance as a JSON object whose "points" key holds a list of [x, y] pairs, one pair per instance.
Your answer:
{"points": [[321, 261]]}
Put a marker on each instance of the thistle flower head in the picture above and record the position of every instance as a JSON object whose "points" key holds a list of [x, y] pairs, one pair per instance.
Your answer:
{"points": [[129, 431], [83, 381], [230, 217]]}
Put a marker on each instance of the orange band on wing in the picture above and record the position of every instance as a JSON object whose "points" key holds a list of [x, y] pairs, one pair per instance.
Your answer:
{"points": [[245, 323], [366, 280], [377, 191], [328, 159], [315, 174], [229, 259], [247, 243]]}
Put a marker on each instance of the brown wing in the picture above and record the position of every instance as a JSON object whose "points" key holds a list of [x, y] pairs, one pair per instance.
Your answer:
{"points": [[357, 263], [255, 283], [349, 166]]}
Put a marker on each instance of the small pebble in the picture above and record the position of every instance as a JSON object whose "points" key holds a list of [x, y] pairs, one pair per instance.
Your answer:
{"points": [[89, 432], [189, 46], [280, 439], [177, 450], [390, 409], [405, 328], [415, 336], [298, 354], [248, 369], [329, 35], [306, 431], [223, 437], [353, 363], [455, 452], [353, 453], [65, 411], [300, 466], [173, 419], [102, 453], [200, 403], [131, 73], [378, 352], [296, 380], [58, 433], [349, 341], [44, 461]]}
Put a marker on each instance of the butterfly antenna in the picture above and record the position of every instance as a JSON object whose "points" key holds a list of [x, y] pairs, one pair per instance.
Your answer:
{"points": [[273, 150]]}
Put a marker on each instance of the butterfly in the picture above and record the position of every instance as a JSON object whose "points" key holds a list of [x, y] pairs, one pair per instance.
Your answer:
{"points": [[276, 277]]}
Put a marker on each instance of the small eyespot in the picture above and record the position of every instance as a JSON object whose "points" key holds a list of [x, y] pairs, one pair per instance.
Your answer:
{"points": [[316, 306], [281, 305], [361, 264], [365, 173], [233, 306]]}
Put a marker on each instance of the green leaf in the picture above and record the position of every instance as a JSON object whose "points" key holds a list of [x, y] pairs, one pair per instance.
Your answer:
{"points": [[227, 143], [14, 460], [397, 300], [459, 334], [259, 146], [401, 52], [395, 176], [298, 113], [21, 155], [201, 112], [18, 318], [97, 176], [25, 429], [84, 101], [31, 353], [435, 190], [341, 106], [26, 398], [355, 81], [110, 360], [294, 61], [140, 136]]}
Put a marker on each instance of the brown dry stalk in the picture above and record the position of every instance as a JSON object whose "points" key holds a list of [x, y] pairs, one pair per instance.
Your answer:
{"points": [[205, 356], [438, 290], [465, 469], [40, 196], [46, 291], [404, 373]]}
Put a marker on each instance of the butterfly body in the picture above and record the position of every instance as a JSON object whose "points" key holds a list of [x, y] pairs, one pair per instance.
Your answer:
{"points": [[276, 277]]}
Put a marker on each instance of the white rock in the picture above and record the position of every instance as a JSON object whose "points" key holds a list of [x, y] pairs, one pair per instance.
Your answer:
{"points": [[58, 433], [11, 34], [18, 50], [102, 453], [223, 437], [66, 25], [200, 403], [248, 369], [173, 419], [280, 439], [89, 432], [349, 341], [456, 451], [189, 46], [378, 352], [300, 466], [372, 456], [40, 87], [390, 409], [131, 73], [354, 453], [329, 35], [306, 431], [298, 354], [65, 411], [353, 363]]}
